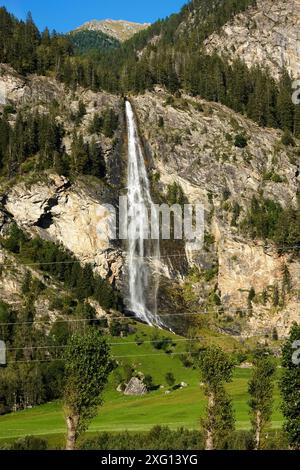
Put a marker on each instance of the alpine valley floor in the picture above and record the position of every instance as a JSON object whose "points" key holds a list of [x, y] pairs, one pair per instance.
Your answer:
{"points": [[180, 408]]}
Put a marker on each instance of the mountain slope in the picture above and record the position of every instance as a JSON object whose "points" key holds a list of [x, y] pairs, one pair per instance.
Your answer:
{"points": [[267, 35], [118, 29], [196, 144], [218, 158], [87, 41]]}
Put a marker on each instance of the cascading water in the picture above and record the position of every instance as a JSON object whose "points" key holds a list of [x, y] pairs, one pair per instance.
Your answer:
{"points": [[143, 254]]}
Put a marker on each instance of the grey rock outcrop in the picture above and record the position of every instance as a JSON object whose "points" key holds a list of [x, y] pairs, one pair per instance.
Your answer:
{"points": [[135, 387], [118, 29], [68, 214], [267, 35]]}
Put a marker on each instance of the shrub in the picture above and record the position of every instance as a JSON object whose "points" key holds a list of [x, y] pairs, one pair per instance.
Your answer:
{"points": [[30, 443], [275, 335], [170, 379], [272, 176], [9, 109], [240, 141], [262, 218], [118, 329], [148, 381], [287, 139], [161, 122]]}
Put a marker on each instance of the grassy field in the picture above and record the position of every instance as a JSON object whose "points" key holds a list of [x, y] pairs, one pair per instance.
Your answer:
{"points": [[180, 408]]}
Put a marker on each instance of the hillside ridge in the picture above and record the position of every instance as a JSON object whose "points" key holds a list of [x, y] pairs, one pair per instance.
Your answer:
{"points": [[118, 29]]}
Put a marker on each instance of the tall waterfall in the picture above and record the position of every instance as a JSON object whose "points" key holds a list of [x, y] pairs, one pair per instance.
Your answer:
{"points": [[143, 254]]}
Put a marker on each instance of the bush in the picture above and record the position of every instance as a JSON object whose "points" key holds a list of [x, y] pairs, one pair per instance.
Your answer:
{"points": [[158, 438], [170, 379], [240, 141], [148, 381], [162, 343], [287, 139], [262, 218], [9, 109], [275, 335], [161, 121], [29, 443], [117, 329], [170, 101], [272, 176]]}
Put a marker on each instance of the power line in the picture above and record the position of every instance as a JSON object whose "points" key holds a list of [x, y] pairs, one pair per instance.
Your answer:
{"points": [[113, 357], [133, 318], [124, 343], [182, 255], [54, 263]]}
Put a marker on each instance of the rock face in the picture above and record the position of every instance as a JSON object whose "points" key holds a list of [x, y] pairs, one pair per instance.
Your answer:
{"points": [[118, 29], [68, 214], [267, 35], [188, 141], [135, 387], [195, 147], [49, 205], [42, 92]]}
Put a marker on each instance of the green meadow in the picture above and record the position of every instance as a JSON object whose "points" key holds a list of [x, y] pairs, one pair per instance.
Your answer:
{"points": [[179, 408]]}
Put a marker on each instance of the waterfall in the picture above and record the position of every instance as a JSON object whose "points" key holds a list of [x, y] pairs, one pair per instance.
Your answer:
{"points": [[143, 253]]}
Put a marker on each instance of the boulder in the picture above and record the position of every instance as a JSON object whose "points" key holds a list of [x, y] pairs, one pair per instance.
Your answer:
{"points": [[135, 387]]}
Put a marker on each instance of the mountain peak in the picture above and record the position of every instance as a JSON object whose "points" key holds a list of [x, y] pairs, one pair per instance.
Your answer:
{"points": [[118, 29]]}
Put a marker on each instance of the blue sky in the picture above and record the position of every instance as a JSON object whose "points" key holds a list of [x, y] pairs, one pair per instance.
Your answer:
{"points": [[65, 15]]}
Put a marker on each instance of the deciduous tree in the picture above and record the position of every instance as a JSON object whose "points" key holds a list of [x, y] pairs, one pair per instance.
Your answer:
{"points": [[87, 368]]}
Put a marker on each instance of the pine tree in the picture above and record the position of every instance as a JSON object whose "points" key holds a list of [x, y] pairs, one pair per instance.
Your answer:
{"points": [[110, 122], [297, 121], [285, 107], [79, 155], [97, 163]]}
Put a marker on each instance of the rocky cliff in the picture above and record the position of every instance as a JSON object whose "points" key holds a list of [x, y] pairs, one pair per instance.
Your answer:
{"points": [[65, 211], [195, 147], [191, 142], [267, 35]]}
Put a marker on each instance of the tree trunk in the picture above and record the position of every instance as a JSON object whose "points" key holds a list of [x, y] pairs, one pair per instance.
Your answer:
{"points": [[209, 442], [72, 424], [257, 429]]}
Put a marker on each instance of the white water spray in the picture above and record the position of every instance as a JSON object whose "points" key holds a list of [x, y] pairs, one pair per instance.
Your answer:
{"points": [[143, 254]]}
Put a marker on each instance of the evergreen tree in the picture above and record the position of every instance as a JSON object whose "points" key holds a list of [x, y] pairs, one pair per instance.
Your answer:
{"points": [[79, 155], [110, 122], [97, 166], [285, 107], [27, 281], [297, 121], [96, 124]]}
